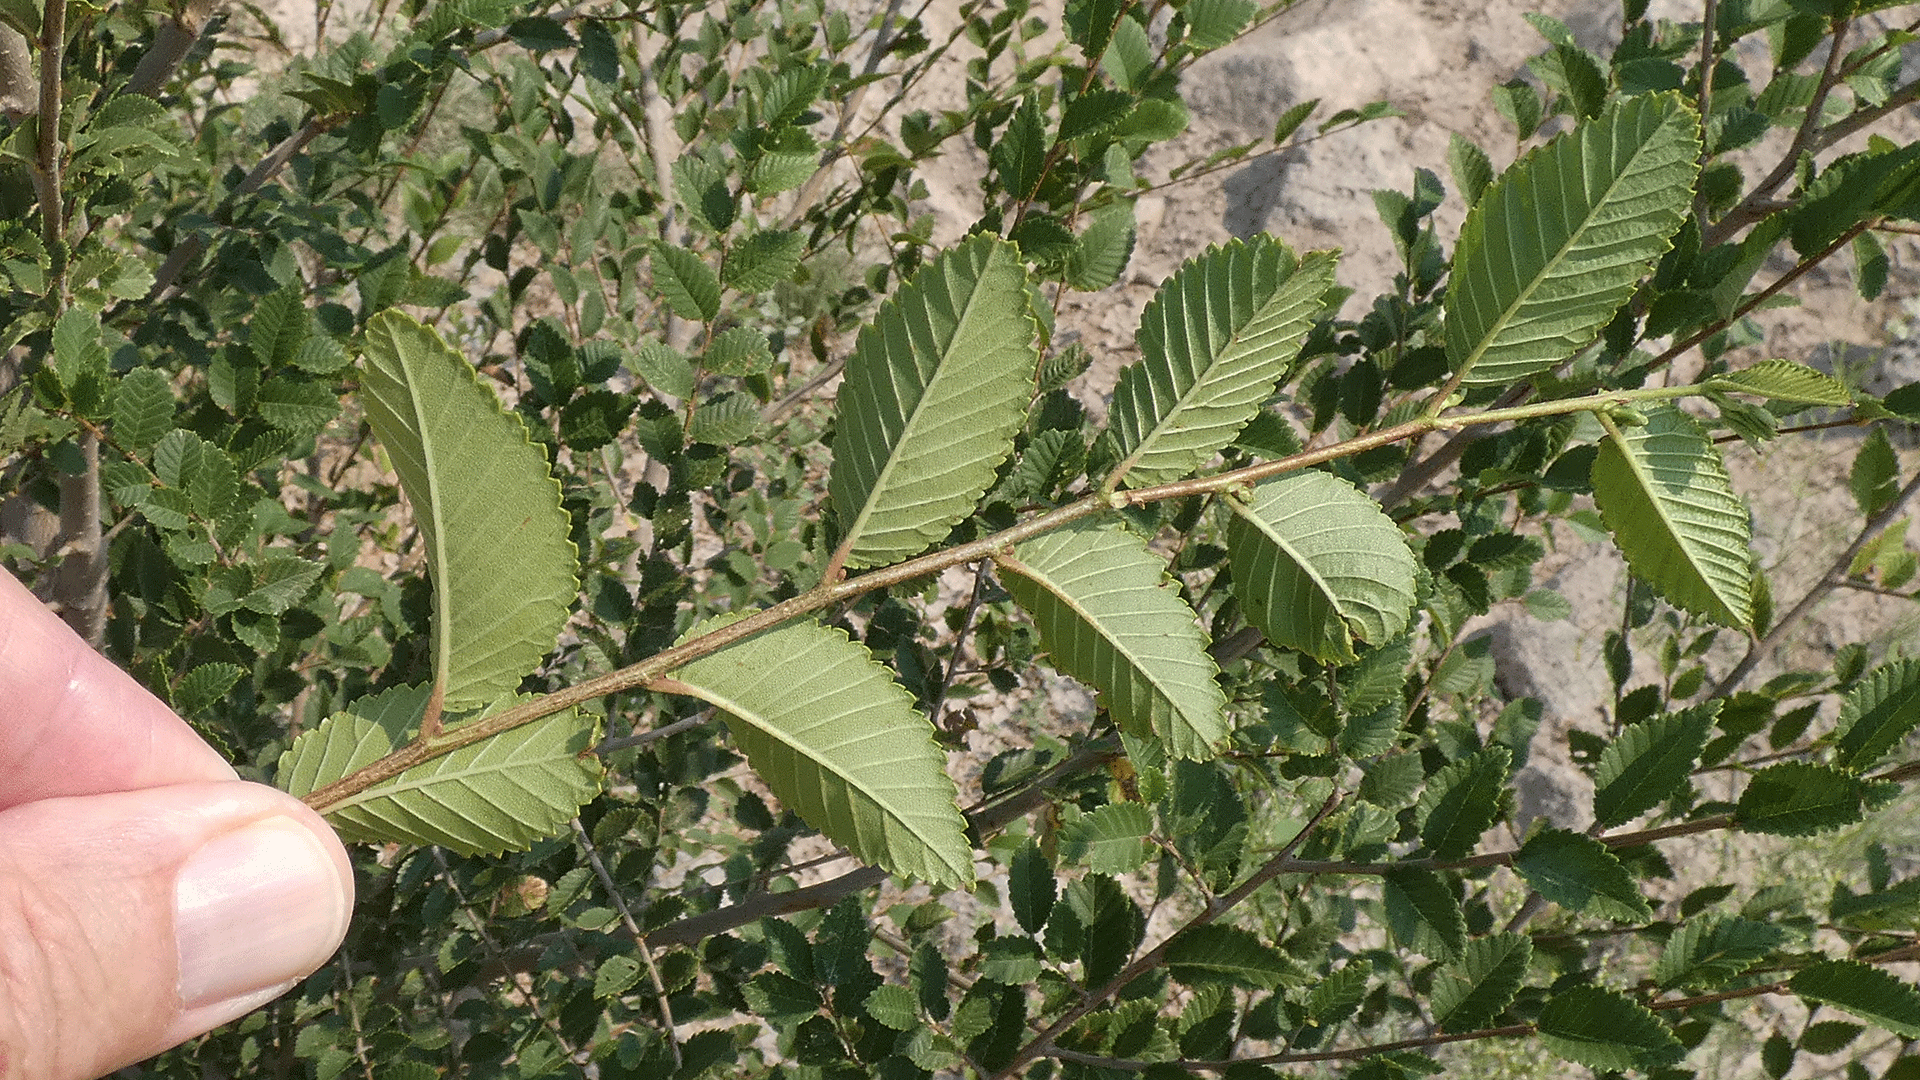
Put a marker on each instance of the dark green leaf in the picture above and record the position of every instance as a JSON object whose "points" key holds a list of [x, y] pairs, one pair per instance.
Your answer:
{"points": [[1462, 801], [763, 260], [1605, 1030], [1580, 874], [686, 282], [1875, 476], [1425, 914], [1878, 712], [1798, 798], [1870, 993], [1471, 991], [1710, 950], [1648, 762]]}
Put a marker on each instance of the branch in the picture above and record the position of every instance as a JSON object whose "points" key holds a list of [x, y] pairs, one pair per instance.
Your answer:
{"points": [[1042, 1045], [172, 40], [639, 938]]}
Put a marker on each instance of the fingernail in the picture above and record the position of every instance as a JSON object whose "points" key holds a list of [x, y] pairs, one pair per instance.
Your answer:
{"points": [[255, 908]]}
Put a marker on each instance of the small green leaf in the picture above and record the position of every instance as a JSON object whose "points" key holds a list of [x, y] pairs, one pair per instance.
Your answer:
{"points": [[1784, 380], [500, 794], [1878, 712], [1870, 993], [280, 326], [1471, 991], [741, 350], [1220, 954], [1708, 951], [1664, 492], [663, 368], [1870, 266], [1213, 23], [780, 997], [687, 283], [616, 975], [1605, 1030], [1424, 913], [205, 685], [1111, 839], [1580, 874], [1291, 120], [840, 743], [1648, 762], [294, 405], [142, 409], [488, 511], [893, 1006], [1030, 887], [1472, 169], [1462, 801], [1101, 250], [1021, 151], [1875, 476], [763, 260], [1319, 567], [1798, 798], [1107, 616]]}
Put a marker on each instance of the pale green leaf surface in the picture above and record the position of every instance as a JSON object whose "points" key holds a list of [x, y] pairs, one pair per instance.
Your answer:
{"points": [[935, 390], [1664, 492], [500, 794], [1318, 566], [1107, 617], [840, 743], [1214, 341], [487, 509], [1784, 380], [1110, 839], [1559, 240]]}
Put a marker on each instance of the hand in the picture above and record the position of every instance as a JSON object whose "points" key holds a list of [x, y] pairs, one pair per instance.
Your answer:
{"points": [[146, 893]]}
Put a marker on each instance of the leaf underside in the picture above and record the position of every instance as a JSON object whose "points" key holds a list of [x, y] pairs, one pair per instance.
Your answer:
{"points": [[488, 511], [1214, 341], [1318, 566], [1556, 244], [1108, 618], [501, 794], [841, 743], [1664, 493], [935, 390]]}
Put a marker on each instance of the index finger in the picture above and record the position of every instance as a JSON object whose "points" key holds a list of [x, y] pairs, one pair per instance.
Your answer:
{"points": [[71, 723]]}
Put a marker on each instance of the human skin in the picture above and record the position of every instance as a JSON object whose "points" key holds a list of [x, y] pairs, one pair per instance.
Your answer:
{"points": [[147, 894]]}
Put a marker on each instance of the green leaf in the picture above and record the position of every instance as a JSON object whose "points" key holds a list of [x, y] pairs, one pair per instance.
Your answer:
{"points": [[1709, 951], [1870, 993], [1664, 492], [280, 325], [840, 743], [1784, 380], [1462, 801], [1605, 1030], [1563, 236], [1472, 169], [701, 187], [1318, 566], [142, 409], [763, 260], [934, 392], [615, 976], [893, 1006], [724, 420], [1108, 617], [686, 282], [1219, 954], [1875, 476], [1021, 151], [1094, 111], [1030, 888], [205, 685], [780, 997], [1878, 712], [1471, 991], [1213, 23], [1798, 798], [741, 350], [1870, 266], [487, 509], [1291, 120], [663, 368], [1580, 874], [293, 404], [1649, 761], [1214, 341], [1101, 250], [1110, 839], [1425, 914], [500, 794]]}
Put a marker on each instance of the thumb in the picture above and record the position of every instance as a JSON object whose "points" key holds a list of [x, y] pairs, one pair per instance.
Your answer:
{"points": [[131, 921]]}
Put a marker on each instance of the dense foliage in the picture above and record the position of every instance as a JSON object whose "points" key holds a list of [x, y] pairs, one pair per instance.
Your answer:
{"points": [[550, 442]]}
